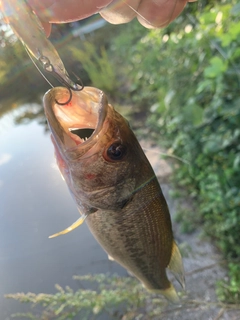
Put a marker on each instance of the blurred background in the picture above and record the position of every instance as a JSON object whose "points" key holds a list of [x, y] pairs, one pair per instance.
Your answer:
{"points": [[178, 86]]}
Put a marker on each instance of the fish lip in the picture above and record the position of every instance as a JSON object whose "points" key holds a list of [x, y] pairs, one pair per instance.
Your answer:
{"points": [[62, 133]]}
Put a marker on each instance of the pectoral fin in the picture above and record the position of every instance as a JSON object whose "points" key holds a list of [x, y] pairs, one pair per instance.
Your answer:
{"points": [[176, 265], [72, 227]]}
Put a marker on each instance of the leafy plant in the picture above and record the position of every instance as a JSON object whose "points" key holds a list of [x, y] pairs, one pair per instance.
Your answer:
{"points": [[96, 63], [230, 288], [115, 297]]}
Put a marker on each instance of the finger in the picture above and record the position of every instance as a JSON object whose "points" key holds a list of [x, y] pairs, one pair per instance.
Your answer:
{"points": [[59, 11], [159, 13], [120, 11]]}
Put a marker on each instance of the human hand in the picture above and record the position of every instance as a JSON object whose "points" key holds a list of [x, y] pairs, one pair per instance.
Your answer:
{"points": [[150, 13]]}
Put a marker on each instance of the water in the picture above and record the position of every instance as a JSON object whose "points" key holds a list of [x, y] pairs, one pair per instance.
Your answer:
{"points": [[35, 203]]}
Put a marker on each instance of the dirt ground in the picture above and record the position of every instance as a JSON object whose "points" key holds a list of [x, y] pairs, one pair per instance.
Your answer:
{"points": [[203, 264]]}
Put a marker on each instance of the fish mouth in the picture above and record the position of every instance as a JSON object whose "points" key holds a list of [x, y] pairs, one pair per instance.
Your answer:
{"points": [[77, 123], [84, 134]]}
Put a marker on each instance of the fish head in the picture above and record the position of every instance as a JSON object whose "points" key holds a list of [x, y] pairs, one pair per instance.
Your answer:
{"points": [[96, 151]]}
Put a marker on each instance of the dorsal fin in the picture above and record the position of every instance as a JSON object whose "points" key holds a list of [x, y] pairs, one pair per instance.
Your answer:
{"points": [[176, 265]]}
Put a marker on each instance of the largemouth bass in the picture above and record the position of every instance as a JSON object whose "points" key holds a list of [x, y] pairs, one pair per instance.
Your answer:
{"points": [[114, 186]]}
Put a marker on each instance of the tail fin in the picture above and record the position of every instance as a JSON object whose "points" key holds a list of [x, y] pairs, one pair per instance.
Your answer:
{"points": [[176, 265]]}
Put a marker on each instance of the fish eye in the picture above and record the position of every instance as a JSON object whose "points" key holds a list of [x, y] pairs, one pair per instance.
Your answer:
{"points": [[116, 151]]}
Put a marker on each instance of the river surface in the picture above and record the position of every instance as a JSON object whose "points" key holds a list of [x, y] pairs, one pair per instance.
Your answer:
{"points": [[35, 203]]}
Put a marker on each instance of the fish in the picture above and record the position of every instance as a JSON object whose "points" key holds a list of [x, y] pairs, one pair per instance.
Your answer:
{"points": [[114, 186]]}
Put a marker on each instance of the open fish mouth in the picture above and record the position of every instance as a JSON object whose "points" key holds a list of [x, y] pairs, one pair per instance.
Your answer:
{"points": [[84, 133], [79, 121]]}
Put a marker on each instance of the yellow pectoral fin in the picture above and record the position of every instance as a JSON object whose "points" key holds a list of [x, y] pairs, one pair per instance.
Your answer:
{"points": [[72, 227]]}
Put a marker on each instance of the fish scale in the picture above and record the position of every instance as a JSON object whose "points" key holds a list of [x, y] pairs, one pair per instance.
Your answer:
{"points": [[138, 226]]}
